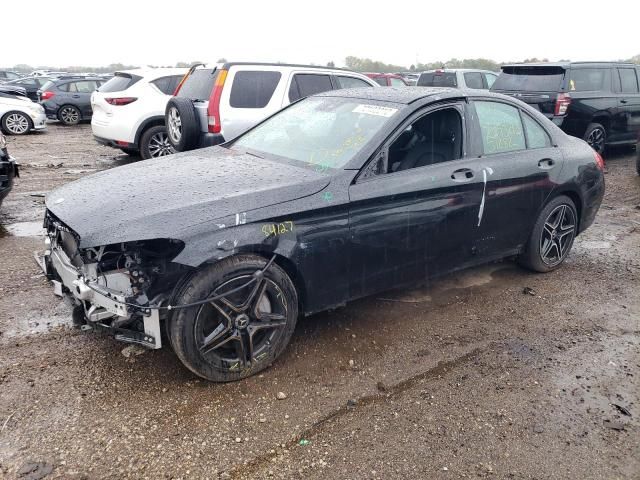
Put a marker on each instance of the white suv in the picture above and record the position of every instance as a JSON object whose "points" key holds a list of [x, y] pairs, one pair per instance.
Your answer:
{"points": [[215, 104], [128, 110]]}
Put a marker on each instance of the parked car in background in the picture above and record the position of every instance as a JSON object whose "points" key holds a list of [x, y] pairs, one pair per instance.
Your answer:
{"points": [[8, 75], [410, 77], [388, 79], [596, 101], [215, 104], [68, 98], [341, 195], [128, 110], [8, 169], [19, 115], [458, 78], [13, 89], [47, 73], [31, 85]]}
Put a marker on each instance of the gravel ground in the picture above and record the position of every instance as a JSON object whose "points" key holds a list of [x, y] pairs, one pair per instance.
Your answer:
{"points": [[468, 378]]}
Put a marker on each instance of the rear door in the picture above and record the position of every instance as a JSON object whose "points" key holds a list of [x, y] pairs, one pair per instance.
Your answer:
{"points": [[80, 94], [519, 167], [628, 114], [304, 84], [536, 85]]}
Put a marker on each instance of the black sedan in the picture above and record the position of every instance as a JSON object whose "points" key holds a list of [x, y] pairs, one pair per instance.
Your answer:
{"points": [[338, 196], [8, 169], [31, 85]]}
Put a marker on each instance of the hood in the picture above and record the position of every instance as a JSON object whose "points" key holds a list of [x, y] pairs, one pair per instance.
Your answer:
{"points": [[168, 196]]}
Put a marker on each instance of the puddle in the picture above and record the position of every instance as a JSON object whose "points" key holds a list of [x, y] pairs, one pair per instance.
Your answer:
{"points": [[39, 321], [594, 245], [22, 229], [461, 280]]}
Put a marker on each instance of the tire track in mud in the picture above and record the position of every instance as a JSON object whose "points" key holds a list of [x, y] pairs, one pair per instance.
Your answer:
{"points": [[442, 367]]}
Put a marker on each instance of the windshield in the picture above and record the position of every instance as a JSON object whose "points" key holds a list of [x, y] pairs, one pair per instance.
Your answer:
{"points": [[530, 79], [322, 132]]}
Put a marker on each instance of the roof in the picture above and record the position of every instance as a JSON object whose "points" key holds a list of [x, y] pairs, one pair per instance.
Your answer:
{"points": [[155, 71], [408, 95], [402, 95], [226, 65], [458, 70], [382, 75], [566, 64]]}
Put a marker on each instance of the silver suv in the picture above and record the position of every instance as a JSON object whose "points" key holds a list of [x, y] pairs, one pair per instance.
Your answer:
{"points": [[458, 78], [215, 104]]}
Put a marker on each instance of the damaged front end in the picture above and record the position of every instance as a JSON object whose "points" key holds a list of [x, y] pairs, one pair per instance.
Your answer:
{"points": [[120, 288]]}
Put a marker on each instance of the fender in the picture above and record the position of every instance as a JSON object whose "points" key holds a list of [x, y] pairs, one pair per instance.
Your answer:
{"points": [[149, 122]]}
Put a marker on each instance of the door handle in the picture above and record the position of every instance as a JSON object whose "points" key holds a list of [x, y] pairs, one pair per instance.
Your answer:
{"points": [[546, 163], [75, 96], [623, 101], [462, 175]]}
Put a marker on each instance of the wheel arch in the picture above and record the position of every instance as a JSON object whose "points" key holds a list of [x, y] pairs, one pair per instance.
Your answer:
{"points": [[156, 120], [575, 197], [604, 119]]}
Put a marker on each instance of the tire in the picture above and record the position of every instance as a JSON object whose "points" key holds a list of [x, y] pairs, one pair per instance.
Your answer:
{"points": [[239, 344], [596, 137], [154, 143], [69, 115], [183, 126], [557, 223], [16, 123]]}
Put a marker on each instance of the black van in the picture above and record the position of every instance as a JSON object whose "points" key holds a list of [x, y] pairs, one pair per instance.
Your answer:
{"points": [[596, 101]]}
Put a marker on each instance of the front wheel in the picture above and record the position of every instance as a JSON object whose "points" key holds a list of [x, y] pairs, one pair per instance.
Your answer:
{"points": [[16, 123], [242, 332], [552, 236]]}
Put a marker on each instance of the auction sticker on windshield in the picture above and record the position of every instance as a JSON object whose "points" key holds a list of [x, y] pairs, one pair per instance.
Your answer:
{"points": [[375, 110]]}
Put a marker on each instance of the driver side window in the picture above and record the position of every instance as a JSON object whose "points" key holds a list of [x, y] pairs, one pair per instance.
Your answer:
{"points": [[433, 138]]}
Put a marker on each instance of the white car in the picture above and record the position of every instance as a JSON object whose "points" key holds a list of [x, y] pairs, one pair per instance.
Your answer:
{"points": [[128, 110], [19, 115]]}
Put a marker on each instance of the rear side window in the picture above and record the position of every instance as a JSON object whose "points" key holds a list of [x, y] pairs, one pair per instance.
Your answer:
{"points": [[305, 84], [438, 79], [500, 127], [65, 87], [490, 79], [167, 85], [351, 82], [587, 79], [380, 81], [83, 87], [199, 84], [119, 82], [628, 80], [536, 135], [530, 79], [396, 82], [47, 85], [253, 89], [473, 80]]}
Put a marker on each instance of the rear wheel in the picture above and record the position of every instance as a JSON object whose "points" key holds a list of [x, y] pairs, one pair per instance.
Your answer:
{"points": [[154, 143], [182, 124], [596, 137], [245, 330], [16, 123], [69, 115], [552, 236]]}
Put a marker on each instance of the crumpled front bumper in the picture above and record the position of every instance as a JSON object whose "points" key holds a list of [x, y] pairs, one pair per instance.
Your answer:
{"points": [[99, 302]]}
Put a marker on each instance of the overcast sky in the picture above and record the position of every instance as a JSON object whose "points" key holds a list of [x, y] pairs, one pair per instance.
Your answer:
{"points": [[90, 33]]}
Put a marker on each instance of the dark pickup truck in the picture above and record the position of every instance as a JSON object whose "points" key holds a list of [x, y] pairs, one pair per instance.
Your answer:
{"points": [[596, 101], [8, 169]]}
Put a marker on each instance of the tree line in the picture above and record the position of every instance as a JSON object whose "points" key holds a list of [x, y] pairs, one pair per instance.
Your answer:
{"points": [[353, 63]]}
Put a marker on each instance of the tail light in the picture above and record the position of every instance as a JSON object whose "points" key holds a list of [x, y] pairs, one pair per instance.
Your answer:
{"points": [[46, 95], [213, 110], [562, 103], [120, 101], [599, 161]]}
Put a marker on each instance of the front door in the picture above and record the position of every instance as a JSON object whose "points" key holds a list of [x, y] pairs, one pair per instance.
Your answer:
{"points": [[413, 220]]}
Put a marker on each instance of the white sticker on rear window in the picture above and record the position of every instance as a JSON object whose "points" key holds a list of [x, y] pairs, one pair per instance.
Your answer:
{"points": [[375, 110]]}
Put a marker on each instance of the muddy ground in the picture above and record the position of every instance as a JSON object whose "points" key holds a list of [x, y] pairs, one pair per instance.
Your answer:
{"points": [[469, 378]]}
